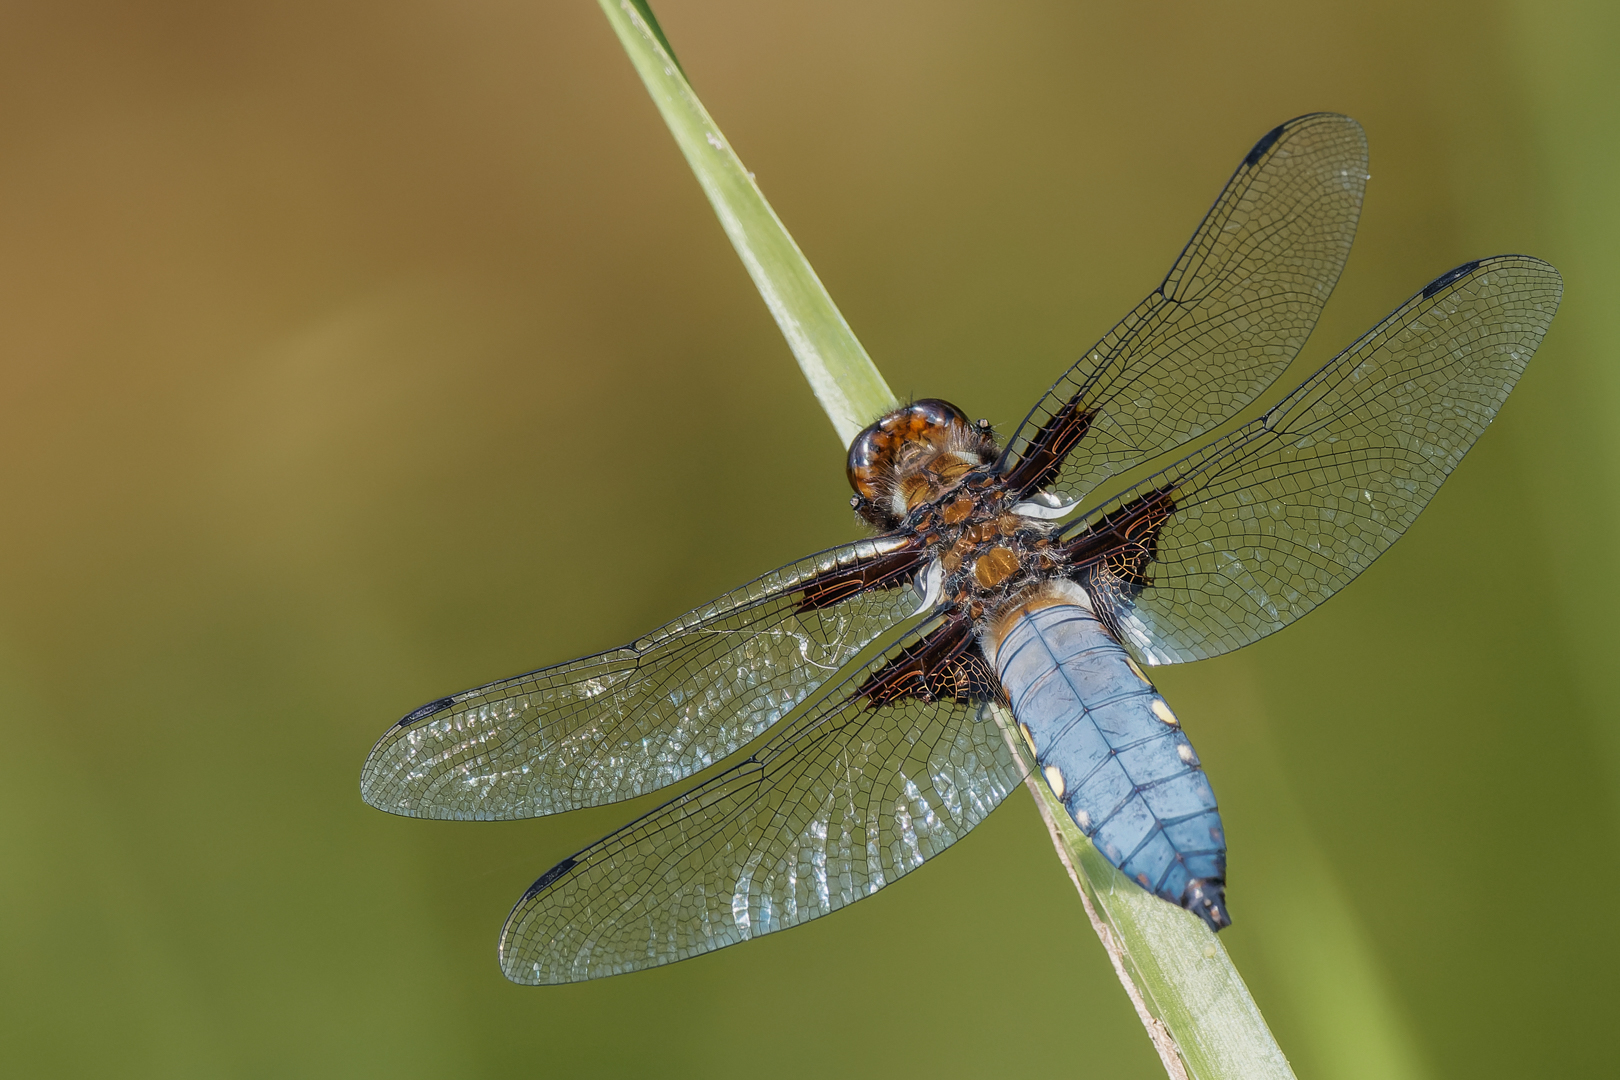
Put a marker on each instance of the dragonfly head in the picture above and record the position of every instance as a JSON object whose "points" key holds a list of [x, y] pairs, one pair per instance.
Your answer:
{"points": [[912, 455]]}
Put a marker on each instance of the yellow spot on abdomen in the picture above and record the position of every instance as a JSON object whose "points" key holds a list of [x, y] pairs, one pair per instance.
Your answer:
{"points": [[1162, 711], [1054, 777], [1029, 736]]}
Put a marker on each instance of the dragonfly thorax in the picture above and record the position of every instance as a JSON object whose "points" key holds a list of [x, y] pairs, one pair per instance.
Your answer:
{"points": [[985, 552], [911, 456]]}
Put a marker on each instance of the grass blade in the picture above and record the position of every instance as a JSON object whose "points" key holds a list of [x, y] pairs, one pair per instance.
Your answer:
{"points": [[843, 377]]}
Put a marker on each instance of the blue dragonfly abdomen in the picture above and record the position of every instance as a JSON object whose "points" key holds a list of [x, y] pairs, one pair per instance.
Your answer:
{"points": [[1113, 752]]}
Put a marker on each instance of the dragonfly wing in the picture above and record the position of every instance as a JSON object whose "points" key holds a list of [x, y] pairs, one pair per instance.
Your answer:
{"points": [[632, 720], [1227, 320], [1254, 530], [851, 796]]}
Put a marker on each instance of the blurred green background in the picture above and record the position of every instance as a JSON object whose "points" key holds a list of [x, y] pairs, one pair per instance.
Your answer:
{"points": [[353, 353]]}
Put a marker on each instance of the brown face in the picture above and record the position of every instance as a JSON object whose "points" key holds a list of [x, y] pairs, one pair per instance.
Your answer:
{"points": [[912, 455]]}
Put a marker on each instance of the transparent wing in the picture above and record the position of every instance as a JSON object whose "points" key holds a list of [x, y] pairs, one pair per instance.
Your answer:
{"points": [[1251, 532], [632, 720], [847, 799], [1228, 319]]}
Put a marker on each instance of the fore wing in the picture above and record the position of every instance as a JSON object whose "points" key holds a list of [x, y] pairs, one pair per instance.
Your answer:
{"points": [[629, 721], [1227, 320], [1249, 533], [849, 797]]}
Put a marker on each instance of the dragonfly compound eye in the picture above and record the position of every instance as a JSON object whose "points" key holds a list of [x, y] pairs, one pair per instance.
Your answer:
{"points": [[878, 449]]}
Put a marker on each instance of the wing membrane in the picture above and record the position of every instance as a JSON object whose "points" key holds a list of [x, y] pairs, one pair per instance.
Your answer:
{"points": [[1251, 532], [847, 799], [632, 720], [1227, 320]]}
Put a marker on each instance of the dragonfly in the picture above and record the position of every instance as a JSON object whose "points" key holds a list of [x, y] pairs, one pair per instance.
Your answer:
{"points": [[879, 699]]}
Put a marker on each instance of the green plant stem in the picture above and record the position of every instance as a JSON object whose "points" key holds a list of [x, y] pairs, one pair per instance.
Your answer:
{"points": [[843, 377], [1186, 991]]}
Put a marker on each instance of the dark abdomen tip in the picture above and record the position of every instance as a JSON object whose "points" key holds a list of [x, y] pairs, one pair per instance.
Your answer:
{"points": [[1206, 898]]}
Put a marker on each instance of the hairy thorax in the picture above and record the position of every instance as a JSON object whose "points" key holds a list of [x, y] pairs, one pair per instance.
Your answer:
{"points": [[926, 471]]}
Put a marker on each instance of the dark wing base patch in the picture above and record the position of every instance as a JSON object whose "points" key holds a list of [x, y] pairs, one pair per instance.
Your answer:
{"points": [[886, 571], [946, 665]]}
